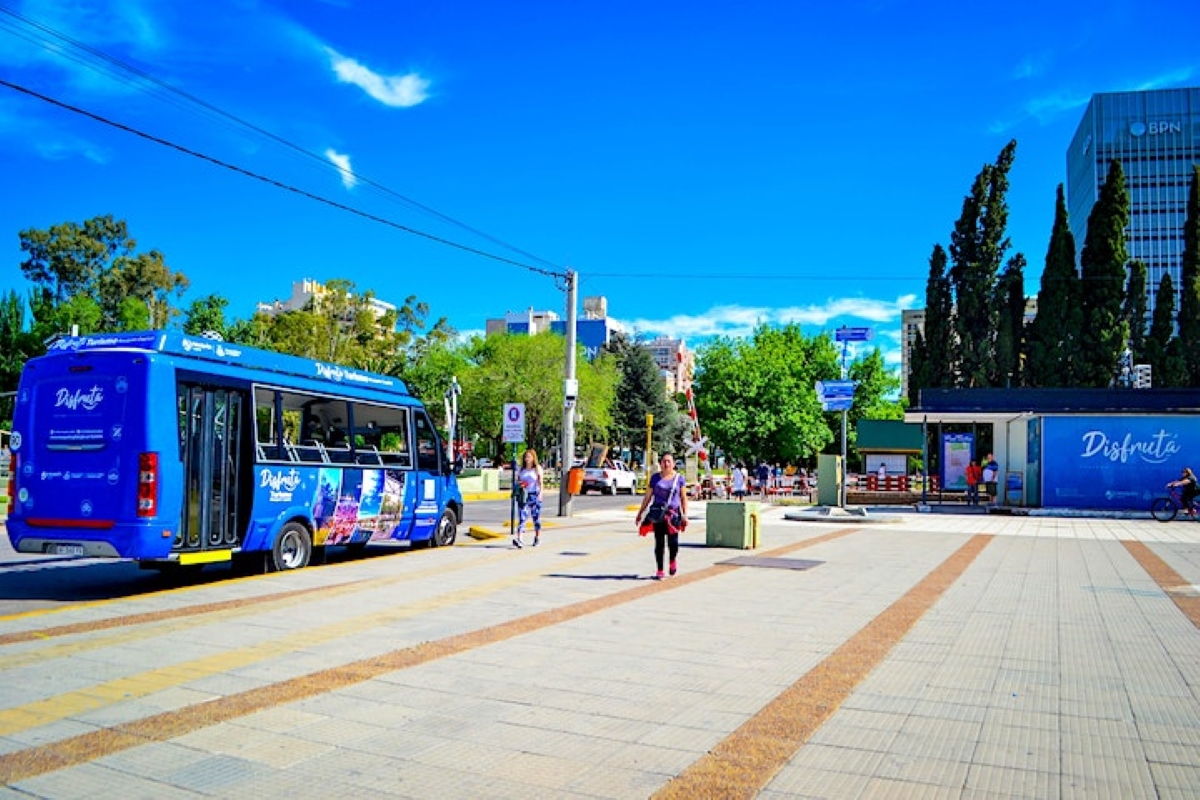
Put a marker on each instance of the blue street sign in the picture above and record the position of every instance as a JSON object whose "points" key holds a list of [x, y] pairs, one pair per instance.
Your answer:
{"points": [[837, 404], [844, 334], [831, 390]]}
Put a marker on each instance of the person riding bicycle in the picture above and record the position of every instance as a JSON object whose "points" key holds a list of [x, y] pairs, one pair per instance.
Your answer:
{"points": [[1187, 481]]}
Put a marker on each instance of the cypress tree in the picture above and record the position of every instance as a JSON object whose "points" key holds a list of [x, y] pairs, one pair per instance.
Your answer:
{"points": [[1164, 350], [918, 370], [1010, 324], [1102, 271], [1054, 332], [939, 322], [1135, 308], [977, 248], [1189, 280]]}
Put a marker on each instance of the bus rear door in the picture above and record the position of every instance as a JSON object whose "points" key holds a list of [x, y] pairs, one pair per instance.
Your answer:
{"points": [[216, 461]]}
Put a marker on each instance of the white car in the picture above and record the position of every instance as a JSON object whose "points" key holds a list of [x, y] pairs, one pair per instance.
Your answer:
{"points": [[613, 478]]}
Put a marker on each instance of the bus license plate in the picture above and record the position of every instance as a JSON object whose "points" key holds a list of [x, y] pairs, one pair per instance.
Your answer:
{"points": [[68, 549]]}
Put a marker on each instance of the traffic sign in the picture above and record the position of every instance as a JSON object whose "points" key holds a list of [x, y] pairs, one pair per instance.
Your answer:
{"points": [[514, 422], [835, 389], [845, 334], [837, 404]]}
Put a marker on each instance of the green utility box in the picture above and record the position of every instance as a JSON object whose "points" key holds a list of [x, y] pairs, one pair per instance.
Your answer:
{"points": [[829, 480], [732, 524]]}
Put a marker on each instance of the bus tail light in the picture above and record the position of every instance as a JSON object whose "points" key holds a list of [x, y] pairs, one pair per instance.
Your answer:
{"points": [[147, 485], [12, 480]]}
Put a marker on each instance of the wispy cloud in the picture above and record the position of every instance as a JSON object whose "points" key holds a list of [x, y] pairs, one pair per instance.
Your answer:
{"points": [[342, 162], [398, 91], [735, 321], [1029, 67], [62, 149], [1043, 110], [1165, 81]]}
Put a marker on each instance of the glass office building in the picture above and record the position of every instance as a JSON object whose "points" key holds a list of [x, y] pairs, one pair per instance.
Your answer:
{"points": [[1156, 136]]}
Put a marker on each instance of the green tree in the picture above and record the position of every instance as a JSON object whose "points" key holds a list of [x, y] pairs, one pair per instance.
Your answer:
{"points": [[98, 259], [1135, 309], [1189, 290], [875, 397], [207, 314], [1055, 331], [641, 390], [1162, 350], [1010, 324], [977, 248], [516, 368], [1102, 271], [17, 345], [756, 397], [933, 351]]}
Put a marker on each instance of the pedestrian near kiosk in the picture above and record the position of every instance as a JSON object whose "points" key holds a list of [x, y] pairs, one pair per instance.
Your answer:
{"points": [[527, 485], [664, 511], [974, 477], [737, 482], [991, 476], [763, 475]]}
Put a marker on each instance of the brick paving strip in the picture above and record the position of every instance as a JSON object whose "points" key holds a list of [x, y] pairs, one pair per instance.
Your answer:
{"points": [[33, 761], [746, 760], [1170, 581]]}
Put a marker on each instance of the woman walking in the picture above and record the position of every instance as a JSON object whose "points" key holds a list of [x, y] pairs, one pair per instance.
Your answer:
{"points": [[664, 510], [527, 485]]}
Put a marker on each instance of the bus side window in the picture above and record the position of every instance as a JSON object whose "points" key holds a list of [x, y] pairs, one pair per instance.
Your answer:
{"points": [[392, 427], [269, 443], [428, 457]]}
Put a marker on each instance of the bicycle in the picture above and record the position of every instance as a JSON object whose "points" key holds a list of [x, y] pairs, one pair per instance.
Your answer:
{"points": [[1165, 509]]}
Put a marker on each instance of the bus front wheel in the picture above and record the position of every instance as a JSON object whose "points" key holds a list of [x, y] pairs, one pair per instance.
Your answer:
{"points": [[447, 530], [292, 549]]}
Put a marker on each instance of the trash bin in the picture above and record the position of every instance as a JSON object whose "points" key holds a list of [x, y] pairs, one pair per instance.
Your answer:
{"points": [[574, 480], [731, 524]]}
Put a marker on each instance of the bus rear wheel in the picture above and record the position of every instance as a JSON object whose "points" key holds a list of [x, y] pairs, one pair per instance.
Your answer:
{"points": [[447, 530], [292, 548]]}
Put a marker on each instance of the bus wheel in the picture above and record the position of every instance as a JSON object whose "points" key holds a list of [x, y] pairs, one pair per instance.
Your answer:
{"points": [[293, 548], [447, 530]]}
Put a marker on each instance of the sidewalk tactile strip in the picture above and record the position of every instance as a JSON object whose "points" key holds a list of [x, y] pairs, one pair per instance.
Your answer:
{"points": [[87, 747], [746, 760]]}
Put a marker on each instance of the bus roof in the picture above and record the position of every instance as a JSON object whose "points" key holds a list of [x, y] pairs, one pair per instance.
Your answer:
{"points": [[200, 348]]}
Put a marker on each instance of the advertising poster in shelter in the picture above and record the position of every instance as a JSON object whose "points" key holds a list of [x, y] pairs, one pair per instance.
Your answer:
{"points": [[956, 455]]}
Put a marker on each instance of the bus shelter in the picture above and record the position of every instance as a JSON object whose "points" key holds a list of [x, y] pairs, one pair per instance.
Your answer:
{"points": [[1063, 448]]}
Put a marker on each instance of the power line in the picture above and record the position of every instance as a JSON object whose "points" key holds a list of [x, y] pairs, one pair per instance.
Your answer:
{"points": [[279, 184], [119, 70]]}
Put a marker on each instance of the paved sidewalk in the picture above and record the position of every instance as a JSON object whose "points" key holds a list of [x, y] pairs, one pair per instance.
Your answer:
{"points": [[936, 656]]}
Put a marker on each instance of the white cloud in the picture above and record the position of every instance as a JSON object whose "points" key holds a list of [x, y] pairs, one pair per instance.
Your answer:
{"points": [[736, 321], [342, 162], [398, 91], [1165, 81]]}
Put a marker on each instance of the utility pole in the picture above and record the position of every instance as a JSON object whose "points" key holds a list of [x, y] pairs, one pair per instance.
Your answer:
{"points": [[570, 395]]}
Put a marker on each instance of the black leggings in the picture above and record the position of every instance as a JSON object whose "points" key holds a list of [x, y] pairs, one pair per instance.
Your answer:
{"points": [[661, 538]]}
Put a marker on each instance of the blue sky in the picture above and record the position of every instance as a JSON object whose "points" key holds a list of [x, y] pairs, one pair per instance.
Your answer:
{"points": [[706, 166]]}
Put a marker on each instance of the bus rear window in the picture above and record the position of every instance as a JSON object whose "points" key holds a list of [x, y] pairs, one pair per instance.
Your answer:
{"points": [[80, 411]]}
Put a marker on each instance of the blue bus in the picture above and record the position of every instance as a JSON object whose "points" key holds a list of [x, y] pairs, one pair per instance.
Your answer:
{"points": [[169, 448]]}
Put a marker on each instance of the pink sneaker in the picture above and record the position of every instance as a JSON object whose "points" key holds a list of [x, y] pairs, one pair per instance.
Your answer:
{"points": [[673, 570], [658, 576]]}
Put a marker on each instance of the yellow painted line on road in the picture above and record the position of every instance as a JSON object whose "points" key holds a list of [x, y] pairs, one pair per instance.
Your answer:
{"points": [[39, 760], [746, 760]]}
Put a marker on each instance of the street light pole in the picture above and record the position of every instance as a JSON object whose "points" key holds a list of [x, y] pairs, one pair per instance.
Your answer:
{"points": [[570, 395]]}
